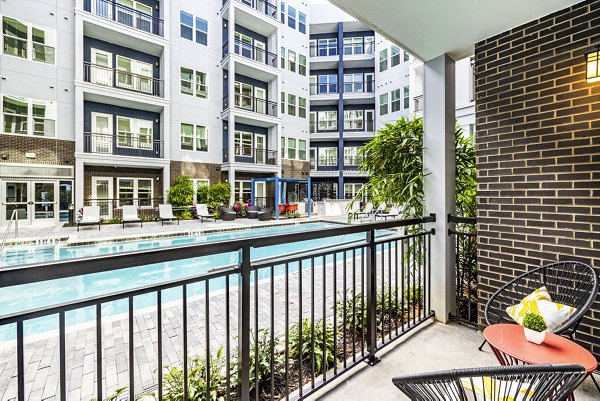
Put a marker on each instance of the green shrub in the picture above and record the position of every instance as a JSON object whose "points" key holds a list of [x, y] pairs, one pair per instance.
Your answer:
{"points": [[324, 351], [262, 343], [181, 192], [535, 322], [202, 193], [184, 214], [413, 295], [173, 379], [215, 208], [386, 302], [219, 193], [114, 220], [354, 305]]}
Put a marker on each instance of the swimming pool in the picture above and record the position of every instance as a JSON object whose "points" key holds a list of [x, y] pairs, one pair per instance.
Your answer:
{"points": [[71, 289]]}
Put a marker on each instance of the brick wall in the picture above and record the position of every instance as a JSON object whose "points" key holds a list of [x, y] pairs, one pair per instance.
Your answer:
{"points": [[295, 168], [122, 172], [538, 144], [47, 150], [196, 170]]}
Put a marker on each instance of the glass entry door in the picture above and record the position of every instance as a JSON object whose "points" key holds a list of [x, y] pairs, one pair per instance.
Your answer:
{"points": [[33, 201], [261, 149], [102, 192]]}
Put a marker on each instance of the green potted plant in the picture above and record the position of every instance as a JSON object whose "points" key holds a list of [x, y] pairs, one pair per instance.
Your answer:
{"points": [[535, 328]]}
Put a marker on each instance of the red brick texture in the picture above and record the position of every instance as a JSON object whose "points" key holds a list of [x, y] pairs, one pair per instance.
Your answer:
{"points": [[538, 144]]}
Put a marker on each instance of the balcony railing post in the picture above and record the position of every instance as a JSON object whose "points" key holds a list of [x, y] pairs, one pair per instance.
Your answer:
{"points": [[371, 298], [244, 324]]}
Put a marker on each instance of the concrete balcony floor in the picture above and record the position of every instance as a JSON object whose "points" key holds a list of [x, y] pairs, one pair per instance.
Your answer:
{"points": [[434, 347]]}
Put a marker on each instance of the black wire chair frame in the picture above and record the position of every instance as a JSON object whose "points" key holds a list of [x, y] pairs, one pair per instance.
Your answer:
{"points": [[569, 283], [555, 382]]}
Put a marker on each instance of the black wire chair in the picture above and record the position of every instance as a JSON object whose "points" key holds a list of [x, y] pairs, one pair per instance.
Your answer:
{"points": [[569, 283], [544, 382]]}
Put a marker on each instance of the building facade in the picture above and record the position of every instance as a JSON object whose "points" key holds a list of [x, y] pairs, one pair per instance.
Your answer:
{"points": [[107, 102]]}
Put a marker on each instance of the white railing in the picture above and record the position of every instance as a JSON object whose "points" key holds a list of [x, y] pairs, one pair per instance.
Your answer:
{"points": [[13, 216]]}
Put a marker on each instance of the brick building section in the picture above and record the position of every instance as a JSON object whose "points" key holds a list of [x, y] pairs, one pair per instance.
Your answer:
{"points": [[294, 169], [538, 145], [13, 149], [207, 171], [121, 172]]}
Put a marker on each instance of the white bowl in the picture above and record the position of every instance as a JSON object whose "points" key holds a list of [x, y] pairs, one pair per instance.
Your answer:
{"points": [[536, 337]]}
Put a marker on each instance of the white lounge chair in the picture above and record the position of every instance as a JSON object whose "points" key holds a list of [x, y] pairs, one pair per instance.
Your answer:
{"points": [[203, 213], [394, 213], [373, 216], [365, 212], [130, 215], [90, 217], [165, 213]]}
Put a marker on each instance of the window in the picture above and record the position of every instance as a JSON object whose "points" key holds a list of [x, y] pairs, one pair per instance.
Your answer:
{"points": [[198, 183], [291, 17], [472, 79], [243, 190], [351, 190], [282, 15], [25, 116], [134, 133], [292, 61], [327, 47], [302, 64], [327, 84], [282, 102], [328, 157], [301, 149], [406, 94], [282, 57], [353, 46], [395, 55], [369, 45], [302, 107], [312, 118], [186, 25], [244, 142], [191, 85], [383, 60], [350, 156], [283, 147], [194, 137], [406, 56], [313, 158], [353, 120], [135, 191], [312, 44], [383, 104], [291, 148], [291, 104], [327, 120], [186, 28], [144, 192], [302, 22], [353, 83], [126, 191], [201, 31], [131, 74], [19, 37], [395, 100]]}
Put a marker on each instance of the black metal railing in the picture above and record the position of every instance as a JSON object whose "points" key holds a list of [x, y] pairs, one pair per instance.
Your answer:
{"points": [[352, 162], [256, 328], [251, 103], [419, 103], [262, 6], [358, 48], [122, 144], [327, 164], [324, 50], [359, 125], [323, 89], [359, 87], [323, 126], [247, 154], [125, 15], [466, 268], [107, 76], [251, 52], [111, 210]]}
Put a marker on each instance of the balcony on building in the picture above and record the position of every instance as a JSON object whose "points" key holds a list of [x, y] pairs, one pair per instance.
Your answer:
{"points": [[359, 88], [357, 51], [260, 7], [248, 154], [141, 16], [251, 101]]}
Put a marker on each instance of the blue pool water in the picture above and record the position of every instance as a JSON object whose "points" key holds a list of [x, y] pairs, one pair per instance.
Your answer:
{"points": [[59, 291]]}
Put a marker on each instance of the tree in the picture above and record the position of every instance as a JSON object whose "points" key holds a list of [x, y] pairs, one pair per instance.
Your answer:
{"points": [[393, 159], [181, 192]]}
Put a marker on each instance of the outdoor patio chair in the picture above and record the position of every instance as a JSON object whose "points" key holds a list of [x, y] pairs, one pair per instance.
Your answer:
{"points": [[380, 211], [394, 213], [252, 212], [228, 214], [368, 209], [90, 217], [165, 213], [568, 283], [265, 215], [203, 213], [540, 382], [130, 215]]}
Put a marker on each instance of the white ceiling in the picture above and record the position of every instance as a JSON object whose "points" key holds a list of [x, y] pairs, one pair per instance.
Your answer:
{"points": [[429, 28]]}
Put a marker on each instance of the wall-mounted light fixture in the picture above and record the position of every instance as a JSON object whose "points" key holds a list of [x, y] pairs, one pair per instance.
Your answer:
{"points": [[592, 61]]}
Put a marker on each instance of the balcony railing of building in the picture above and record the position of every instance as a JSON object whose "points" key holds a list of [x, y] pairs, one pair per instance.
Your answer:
{"points": [[122, 144], [125, 15], [112, 209], [466, 268], [246, 154], [262, 6], [331, 49], [327, 164], [358, 297], [354, 49], [349, 87], [107, 76], [252, 52], [253, 104], [359, 125], [418, 103], [323, 89], [323, 126], [352, 162]]}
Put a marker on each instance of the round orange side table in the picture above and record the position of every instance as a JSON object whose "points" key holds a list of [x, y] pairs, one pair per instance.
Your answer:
{"points": [[512, 348]]}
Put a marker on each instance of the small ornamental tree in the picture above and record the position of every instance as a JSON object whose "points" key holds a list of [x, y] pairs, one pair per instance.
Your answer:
{"points": [[181, 192], [219, 193]]}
